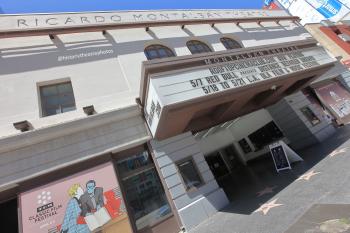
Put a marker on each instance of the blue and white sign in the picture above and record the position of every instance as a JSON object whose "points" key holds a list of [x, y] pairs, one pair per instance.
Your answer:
{"points": [[285, 3], [333, 10]]}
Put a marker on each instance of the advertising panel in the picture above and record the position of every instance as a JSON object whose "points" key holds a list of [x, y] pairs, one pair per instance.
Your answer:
{"points": [[314, 11], [279, 157], [305, 12], [330, 9], [85, 202], [337, 100]]}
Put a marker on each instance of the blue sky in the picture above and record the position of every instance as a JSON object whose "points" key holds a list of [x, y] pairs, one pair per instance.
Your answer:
{"points": [[34, 6]]}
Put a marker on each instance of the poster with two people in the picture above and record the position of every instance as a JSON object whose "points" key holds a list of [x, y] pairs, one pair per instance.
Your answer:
{"points": [[80, 203]]}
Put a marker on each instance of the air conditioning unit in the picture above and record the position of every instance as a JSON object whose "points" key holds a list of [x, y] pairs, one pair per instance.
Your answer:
{"points": [[327, 23], [344, 37]]}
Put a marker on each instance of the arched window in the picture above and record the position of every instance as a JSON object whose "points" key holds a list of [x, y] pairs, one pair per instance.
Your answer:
{"points": [[158, 51], [230, 43], [196, 46]]}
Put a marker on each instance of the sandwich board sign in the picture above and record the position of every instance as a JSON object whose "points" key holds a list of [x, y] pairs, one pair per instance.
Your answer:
{"points": [[283, 155]]}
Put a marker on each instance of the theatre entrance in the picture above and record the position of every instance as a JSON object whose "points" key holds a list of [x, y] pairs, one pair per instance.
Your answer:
{"points": [[226, 168], [217, 165], [235, 177]]}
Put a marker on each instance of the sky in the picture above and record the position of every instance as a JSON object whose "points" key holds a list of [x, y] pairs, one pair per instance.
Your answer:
{"points": [[43, 6]]}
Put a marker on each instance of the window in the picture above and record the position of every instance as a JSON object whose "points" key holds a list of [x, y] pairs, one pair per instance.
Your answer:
{"points": [[158, 51], [145, 194], [310, 115], [57, 98], [230, 43], [265, 135], [189, 174], [196, 46]]}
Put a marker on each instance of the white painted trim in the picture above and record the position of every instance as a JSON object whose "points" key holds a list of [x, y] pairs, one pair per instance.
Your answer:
{"points": [[44, 134], [115, 149]]}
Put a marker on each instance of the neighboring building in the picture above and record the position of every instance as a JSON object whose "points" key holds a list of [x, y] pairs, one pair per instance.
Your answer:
{"points": [[91, 132], [313, 11], [333, 88], [327, 23]]}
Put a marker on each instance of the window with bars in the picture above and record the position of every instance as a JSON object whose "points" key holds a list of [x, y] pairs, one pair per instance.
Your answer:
{"points": [[196, 46], [57, 98], [230, 43], [158, 51]]}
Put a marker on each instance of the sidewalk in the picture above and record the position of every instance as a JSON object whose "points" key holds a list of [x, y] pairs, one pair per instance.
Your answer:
{"points": [[274, 203]]}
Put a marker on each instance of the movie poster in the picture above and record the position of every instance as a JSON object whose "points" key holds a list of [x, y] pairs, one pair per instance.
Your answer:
{"points": [[336, 98], [87, 201]]}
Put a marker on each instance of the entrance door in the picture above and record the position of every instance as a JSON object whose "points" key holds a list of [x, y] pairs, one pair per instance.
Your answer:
{"points": [[232, 157], [217, 165], [9, 216]]}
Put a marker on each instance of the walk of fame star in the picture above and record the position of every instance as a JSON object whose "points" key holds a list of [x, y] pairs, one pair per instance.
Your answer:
{"points": [[338, 151], [265, 208], [266, 191], [308, 175]]}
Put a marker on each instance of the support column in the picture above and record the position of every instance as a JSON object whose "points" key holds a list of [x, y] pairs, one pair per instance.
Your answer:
{"points": [[193, 206]]}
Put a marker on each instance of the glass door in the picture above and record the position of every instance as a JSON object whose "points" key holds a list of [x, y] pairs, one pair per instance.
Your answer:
{"points": [[145, 195]]}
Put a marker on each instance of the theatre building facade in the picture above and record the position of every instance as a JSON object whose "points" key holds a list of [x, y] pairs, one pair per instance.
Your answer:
{"points": [[125, 121]]}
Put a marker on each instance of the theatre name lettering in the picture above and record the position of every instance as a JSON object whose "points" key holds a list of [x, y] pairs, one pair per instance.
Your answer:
{"points": [[35, 21]]}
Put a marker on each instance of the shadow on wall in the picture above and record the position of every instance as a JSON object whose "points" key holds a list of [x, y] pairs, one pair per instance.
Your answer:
{"points": [[260, 173], [47, 56], [33, 58]]}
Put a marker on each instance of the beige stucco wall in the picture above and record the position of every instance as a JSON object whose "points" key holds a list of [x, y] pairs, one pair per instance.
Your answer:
{"points": [[108, 81], [326, 42]]}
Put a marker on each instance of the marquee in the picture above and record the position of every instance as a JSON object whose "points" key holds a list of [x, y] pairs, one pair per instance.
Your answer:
{"points": [[255, 76]]}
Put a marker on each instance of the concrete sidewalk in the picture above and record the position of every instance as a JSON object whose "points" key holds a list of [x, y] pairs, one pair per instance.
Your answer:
{"points": [[274, 203]]}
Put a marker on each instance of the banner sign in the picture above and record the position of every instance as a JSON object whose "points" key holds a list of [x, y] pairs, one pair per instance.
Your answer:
{"points": [[330, 9], [81, 203]]}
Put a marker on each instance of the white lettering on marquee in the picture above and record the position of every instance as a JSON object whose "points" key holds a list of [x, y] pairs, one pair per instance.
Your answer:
{"points": [[234, 71]]}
